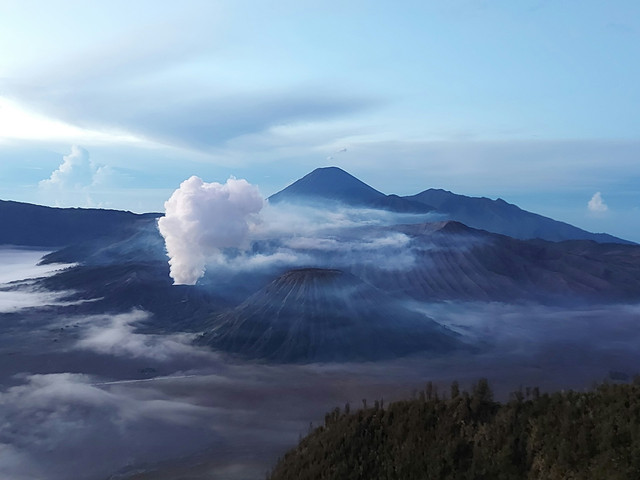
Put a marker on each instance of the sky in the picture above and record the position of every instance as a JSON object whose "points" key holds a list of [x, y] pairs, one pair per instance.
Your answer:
{"points": [[114, 104]]}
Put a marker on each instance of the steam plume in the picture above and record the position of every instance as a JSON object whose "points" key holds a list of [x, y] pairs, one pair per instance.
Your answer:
{"points": [[203, 218]]}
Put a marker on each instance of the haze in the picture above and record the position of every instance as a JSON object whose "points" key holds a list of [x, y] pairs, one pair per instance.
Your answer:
{"points": [[533, 101]]}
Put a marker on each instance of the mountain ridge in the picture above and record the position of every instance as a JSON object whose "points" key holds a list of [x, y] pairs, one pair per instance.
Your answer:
{"points": [[500, 216], [497, 216], [32, 225]]}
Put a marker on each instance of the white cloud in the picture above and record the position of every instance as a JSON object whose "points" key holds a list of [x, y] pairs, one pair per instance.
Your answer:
{"points": [[596, 204], [21, 266], [116, 335], [75, 171], [19, 123], [74, 181], [18, 264]]}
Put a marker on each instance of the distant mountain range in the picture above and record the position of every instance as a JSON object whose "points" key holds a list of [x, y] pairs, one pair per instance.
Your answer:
{"points": [[497, 216], [33, 225]]}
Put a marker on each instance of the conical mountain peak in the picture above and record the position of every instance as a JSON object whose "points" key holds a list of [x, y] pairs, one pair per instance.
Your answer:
{"points": [[332, 184], [329, 183], [312, 314]]}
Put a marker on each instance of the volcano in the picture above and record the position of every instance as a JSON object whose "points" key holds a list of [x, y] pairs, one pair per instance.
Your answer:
{"points": [[332, 184], [315, 315]]}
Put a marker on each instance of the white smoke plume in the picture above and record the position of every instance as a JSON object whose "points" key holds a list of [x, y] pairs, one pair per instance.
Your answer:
{"points": [[203, 218]]}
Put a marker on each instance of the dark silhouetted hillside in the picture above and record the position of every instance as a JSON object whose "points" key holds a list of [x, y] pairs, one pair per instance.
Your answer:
{"points": [[34, 225], [566, 435]]}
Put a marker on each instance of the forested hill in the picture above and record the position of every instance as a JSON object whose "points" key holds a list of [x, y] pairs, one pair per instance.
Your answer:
{"points": [[559, 436]]}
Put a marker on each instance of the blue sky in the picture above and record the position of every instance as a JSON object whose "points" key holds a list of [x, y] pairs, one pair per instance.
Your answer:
{"points": [[113, 104]]}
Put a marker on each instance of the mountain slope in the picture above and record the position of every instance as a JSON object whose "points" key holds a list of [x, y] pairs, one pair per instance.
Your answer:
{"points": [[35, 225], [309, 315], [499, 216], [334, 184], [119, 275], [455, 262]]}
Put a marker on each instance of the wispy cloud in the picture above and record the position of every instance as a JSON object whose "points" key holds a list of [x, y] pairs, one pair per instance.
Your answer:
{"points": [[116, 335], [107, 96], [14, 300]]}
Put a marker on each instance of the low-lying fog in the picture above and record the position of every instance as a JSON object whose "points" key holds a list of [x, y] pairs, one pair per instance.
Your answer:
{"points": [[90, 398]]}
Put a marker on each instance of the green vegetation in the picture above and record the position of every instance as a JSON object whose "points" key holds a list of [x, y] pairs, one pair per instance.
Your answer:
{"points": [[564, 435]]}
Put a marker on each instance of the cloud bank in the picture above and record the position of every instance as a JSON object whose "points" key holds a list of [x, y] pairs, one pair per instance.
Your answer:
{"points": [[18, 264], [201, 219], [18, 269]]}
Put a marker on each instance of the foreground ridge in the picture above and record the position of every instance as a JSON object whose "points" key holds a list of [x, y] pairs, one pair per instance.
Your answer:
{"points": [[580, 435]]}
